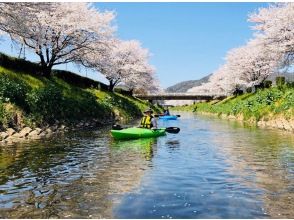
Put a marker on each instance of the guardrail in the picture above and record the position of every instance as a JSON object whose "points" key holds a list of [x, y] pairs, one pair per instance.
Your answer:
{"points": [[180, 96]]}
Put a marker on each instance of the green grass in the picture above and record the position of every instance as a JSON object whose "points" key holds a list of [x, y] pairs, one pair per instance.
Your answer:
{"points": [[266, 103], [28, 99]]}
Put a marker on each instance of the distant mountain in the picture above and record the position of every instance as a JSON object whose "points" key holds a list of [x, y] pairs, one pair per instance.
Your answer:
{"points": [[186, 85]]}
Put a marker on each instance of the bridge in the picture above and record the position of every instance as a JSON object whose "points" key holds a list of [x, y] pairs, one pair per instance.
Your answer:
{"points": [[180, 96]]}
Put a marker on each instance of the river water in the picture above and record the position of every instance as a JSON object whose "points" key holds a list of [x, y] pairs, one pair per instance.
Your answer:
{"points": [[212, 169]]}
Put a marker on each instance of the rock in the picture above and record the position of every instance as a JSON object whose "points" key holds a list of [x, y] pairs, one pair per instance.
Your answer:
{"points": [[287, 126], [10, 131], [35, 132], [8, 140], [16, 135], [271, 124], [62, 127], [38, 129], [80, 125], [261, 124], [54, 128], [42, 134], [25, 131], [279, 124], [3, 135], [291, 124], [14, 138], [48, 131]]}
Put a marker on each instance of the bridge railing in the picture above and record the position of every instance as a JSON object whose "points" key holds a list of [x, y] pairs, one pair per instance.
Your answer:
{"points": [[181, 94]]}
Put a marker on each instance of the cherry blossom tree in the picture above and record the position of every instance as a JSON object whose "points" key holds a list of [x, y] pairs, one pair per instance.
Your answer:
{"points": [[223, 81], [271, 49], [252, 63], [57, 32], [121, 62], [245, 67], [143, 82], [275, 26]]}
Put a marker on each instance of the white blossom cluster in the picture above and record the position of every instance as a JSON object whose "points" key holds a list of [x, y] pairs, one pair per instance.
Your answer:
{"points": [[77, 32], [270, 50]]}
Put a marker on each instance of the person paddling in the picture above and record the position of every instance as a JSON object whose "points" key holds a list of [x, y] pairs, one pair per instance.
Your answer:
{"points": [[148, 121], [166, 111]]}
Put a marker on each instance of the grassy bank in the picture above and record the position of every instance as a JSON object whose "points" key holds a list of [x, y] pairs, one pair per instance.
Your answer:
{"points": [[27, 99], [265, 104]]}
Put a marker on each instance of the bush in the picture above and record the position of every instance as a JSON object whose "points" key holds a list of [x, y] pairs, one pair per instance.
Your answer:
{"points": [[2, 115], [13, 91], [280, 81], [267, 83], [237, 91], [290, 84], [259, 86], [249, 90], [123, 91], [46, 102]]}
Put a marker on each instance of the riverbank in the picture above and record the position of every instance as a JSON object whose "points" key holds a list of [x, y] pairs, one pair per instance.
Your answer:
{"points": [[271, 107], [32, 106]]}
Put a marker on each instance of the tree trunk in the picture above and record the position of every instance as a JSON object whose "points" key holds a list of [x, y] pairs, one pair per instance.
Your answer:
{"points": [[46, 71], [45, 67], [111, 86]]}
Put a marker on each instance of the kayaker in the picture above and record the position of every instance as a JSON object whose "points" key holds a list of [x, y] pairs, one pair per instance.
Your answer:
{"points": [[166, 111], [148, 121]]}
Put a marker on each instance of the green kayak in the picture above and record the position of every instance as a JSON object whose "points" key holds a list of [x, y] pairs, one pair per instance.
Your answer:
{"points": [[134, 133]]}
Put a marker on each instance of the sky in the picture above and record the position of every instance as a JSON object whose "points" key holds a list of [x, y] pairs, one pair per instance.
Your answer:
{"points": [[187, 41]]}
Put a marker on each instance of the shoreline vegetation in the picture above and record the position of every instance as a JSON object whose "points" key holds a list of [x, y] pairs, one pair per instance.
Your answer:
{"points": [[34, 106], [267, 107]]}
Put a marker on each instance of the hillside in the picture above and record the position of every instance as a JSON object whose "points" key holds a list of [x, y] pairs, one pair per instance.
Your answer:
{"points": [[186, 85], [28, 99]]}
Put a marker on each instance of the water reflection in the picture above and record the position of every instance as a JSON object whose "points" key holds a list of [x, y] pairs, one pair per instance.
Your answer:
{"points": [[211, 169], [173, 144], [82, 175], [216, 172], [145, 146], [262, 159]]}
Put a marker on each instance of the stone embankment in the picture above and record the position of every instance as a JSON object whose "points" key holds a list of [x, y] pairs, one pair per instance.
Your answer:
{"points": [[26, 133], [283, 124], [275, 123]]}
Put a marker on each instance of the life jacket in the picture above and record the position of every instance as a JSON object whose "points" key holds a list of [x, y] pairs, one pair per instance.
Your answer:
{"points": [[146, 122]]}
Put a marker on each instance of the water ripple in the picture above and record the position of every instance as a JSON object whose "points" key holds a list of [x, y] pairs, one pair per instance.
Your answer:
{"points": [[211, 169]]}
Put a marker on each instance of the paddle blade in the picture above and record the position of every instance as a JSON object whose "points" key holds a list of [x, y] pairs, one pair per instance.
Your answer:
{"points": [[178, 116], [116, 127], [173, 130], [158, 115]]}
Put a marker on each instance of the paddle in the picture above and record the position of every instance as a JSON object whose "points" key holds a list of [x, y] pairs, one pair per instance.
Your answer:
{"points": [[172, 130], [166, 115], [117, 127]]}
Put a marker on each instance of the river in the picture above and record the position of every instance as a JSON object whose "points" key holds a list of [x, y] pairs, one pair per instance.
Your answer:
{"points": [[212, 169]]}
